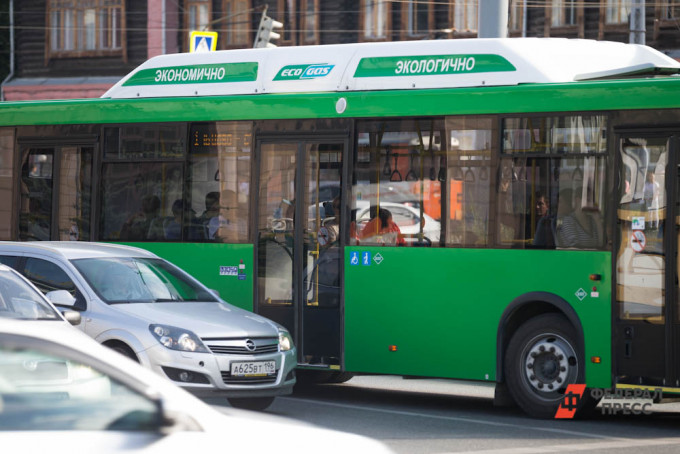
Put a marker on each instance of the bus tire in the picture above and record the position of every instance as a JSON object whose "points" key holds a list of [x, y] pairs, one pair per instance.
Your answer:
{"points": [[340, 377], [251, 403], [322, 377], [542, 358]]}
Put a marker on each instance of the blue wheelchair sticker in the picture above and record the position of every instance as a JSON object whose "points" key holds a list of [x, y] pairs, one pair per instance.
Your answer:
{"points": [[353, 258]]}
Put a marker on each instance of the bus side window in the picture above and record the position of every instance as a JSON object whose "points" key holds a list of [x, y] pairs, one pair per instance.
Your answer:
{"points": [[396, 197], [550, 181]]}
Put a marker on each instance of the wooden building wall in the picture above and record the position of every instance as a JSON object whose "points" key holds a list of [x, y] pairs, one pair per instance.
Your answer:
{"points": [[31, 41]]}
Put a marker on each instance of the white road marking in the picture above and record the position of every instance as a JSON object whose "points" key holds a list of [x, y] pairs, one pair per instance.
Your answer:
{"points": [[471, 420]]}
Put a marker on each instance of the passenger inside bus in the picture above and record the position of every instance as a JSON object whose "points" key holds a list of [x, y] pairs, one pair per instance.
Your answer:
{"points": [[212, 208], [381, 229], [144, 224], [221, 220], [182, 221], [545, 228], [333, 221]]}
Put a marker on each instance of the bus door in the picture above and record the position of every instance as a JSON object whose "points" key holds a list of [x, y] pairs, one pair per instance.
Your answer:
{"points": [[299, 252], [647, 329], [56, 191]]}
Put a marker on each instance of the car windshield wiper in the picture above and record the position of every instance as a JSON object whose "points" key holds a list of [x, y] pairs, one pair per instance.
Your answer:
{"points": [[166, 300]]}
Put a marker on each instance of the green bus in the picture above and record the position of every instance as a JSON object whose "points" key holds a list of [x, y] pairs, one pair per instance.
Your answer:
{"points": [[486, 210]]}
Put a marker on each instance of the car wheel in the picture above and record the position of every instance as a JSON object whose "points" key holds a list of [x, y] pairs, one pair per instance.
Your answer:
{"points": [[251, 403], [124, 350], [542, 358]]}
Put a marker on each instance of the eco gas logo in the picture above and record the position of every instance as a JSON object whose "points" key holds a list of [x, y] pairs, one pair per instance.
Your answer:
{"points": [[301, 72]]}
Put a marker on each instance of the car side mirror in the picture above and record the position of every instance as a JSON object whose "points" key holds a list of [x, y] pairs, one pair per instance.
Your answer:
{"points": [[168, 423], [73, 317], [61, 298]]}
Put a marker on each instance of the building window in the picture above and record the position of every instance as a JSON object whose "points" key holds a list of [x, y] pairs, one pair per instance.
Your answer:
{"points": [[85, 27], [669, 10], [516, 17], [235, 24], [617, 12], [375, 21], [565, 18], [197, 15], [464, 16], [309, 22], [286, 14], [667, 15], [563, 13], [614, 16], [417, 18]]}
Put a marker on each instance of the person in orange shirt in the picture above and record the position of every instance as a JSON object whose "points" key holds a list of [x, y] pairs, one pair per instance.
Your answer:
{"points": [[381, 229]]}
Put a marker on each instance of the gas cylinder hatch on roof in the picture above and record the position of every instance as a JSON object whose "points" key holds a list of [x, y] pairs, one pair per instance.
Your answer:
{"points": [[405, 65]]}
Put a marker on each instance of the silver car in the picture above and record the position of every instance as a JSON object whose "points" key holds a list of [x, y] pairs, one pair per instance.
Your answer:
{"points": [[151, 311]]}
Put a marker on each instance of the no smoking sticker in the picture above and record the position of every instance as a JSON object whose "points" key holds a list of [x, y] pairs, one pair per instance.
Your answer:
{"points": [[638, 241]]}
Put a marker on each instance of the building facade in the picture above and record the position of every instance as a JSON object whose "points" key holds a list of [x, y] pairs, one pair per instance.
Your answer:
{"points": [[80, 48]]}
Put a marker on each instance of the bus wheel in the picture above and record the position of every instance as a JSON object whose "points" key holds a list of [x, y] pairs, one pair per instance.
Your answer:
{"points": [[340, 377], [541, 360], [251, 403], [319, 377]]}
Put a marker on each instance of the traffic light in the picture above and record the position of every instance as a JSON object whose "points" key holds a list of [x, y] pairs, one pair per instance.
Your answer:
{"points": [[266, 33]]}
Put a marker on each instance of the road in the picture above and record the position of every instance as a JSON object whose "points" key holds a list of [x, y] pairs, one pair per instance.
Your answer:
{"points": [[443, 416]]}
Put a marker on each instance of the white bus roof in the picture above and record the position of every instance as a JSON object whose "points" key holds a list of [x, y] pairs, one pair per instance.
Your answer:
{"points": [[392, 65]]}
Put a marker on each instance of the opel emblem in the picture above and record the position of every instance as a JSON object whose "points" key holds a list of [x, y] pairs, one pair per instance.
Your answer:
{"points": [[250, 345]]}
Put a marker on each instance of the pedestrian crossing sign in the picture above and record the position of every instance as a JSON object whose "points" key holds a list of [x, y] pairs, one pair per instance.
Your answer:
{"points": [[202, 41]]}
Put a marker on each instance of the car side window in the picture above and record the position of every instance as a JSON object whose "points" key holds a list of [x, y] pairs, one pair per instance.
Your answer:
{"points": [[9, 260], [45, 389], [48, 276]]}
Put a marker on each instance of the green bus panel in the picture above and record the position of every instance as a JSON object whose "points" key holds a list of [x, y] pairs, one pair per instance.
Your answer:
{"points": [[215, 265], [441, 308], [597, 95]]}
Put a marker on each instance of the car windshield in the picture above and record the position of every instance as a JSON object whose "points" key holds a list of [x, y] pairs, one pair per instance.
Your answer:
{"points": [[19, 300], [140, 280]]}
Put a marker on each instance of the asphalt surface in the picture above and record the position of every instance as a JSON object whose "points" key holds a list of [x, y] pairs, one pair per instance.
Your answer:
{"points": [[443, 416]]}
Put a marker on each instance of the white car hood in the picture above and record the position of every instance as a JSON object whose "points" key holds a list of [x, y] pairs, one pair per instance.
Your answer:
{"points": [[204, 319]]}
